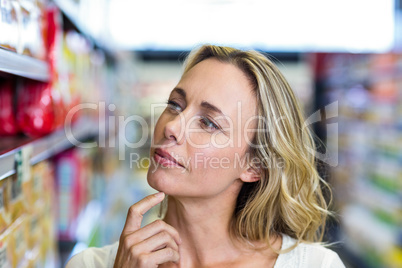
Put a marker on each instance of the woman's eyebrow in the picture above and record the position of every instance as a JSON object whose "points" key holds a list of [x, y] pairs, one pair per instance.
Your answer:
{"points": [[211, 107], [180, 91], [204, 104]]}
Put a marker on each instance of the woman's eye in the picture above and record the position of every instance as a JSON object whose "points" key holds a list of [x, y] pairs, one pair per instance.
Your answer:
{"points": [[173, 105], [208, 123], [204, 120]]}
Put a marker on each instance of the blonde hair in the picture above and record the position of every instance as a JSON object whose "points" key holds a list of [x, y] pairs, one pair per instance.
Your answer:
{"points": [[288, 199]]}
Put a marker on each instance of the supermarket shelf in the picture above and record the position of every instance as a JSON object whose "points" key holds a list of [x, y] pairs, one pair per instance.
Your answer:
{"points": [[79, 19], [348, 257], [43, 147], [22, 65], [71, 10], [87, 223]]}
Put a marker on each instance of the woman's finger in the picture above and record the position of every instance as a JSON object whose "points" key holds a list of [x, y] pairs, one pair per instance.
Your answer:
{"points": [[158, 257], [151, 230], [136, 212], [156, 242]]}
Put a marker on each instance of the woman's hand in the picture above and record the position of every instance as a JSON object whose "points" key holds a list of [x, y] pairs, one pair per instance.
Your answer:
{"points": [[151, 245]]}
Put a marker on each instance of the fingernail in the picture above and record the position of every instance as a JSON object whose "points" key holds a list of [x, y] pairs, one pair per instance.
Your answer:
{"points": [[160, 194]]}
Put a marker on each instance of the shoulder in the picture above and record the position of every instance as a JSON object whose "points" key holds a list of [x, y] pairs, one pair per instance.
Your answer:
{"points": [[307, 255], [94, 257]]}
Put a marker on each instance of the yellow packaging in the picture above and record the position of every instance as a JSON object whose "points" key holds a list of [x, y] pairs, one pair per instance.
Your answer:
{"points": [[47, 190], [27, 195], [5, 217], [21, 184], [26, 175], [18, 241], [5, 249], [37, 191], [17, 203], [36, 233], [48, 226], [34, 259], [42, 219], [393, 258]]}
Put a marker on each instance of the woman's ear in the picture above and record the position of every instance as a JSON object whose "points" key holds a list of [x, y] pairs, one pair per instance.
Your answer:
{"points": [[250, 174]]}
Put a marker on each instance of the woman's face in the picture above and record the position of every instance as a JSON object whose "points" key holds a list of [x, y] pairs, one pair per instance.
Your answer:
{"points": [[209, 144]]}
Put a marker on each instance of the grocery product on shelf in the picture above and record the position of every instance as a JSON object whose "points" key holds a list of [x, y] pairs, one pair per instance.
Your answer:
{"points": [[37, 109], [5, 217], [18, 241], [32, 29], [28, 199], [22, 27], [8, 122], [46, 74], [368, 180], [10, 25], [72, 180]]}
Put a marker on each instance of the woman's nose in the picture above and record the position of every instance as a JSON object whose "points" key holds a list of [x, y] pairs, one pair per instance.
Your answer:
{"points": [[175, 128]]}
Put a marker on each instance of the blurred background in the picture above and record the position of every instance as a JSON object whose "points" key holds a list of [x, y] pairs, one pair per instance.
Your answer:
{"points": [[74, 74]]}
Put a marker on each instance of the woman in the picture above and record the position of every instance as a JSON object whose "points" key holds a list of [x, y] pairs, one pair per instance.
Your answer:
{"points": [[232, 156]]}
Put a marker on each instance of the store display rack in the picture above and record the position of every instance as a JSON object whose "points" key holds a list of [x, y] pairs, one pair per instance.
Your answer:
{"points": [[78, 16], [22, 65], [367, 179], [71, 9], [43, 147], [35, 161]]}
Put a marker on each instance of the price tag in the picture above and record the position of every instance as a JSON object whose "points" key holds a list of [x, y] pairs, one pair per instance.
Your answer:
{"points": [[22, 170], [16, 186]]}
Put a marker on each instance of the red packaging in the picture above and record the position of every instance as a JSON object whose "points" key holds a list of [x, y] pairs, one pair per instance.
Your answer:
{"points": [[41, 108], [8, 123], [53, 37], [36, 108]]}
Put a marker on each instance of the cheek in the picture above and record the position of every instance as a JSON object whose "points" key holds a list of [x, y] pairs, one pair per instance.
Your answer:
{"points": [[202, 138], [214, 164], [199, 140], [221, 140]]}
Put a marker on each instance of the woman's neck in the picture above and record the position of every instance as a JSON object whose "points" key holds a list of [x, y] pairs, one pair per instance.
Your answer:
{"points": [[203, 225]]}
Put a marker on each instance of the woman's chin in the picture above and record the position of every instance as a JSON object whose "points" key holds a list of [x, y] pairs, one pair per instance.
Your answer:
{"points": [[163, 179], [157, 182], [155, 186]]}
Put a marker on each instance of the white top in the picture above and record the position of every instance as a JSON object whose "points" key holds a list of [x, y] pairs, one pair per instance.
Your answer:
{"points": [[303, 256]]}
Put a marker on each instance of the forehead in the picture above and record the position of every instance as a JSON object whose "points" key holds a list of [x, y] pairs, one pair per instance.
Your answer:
{"points": [[221, 84]]}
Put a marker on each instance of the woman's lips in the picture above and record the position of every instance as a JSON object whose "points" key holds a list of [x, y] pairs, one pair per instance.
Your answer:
{"points": [[161, 159]]}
